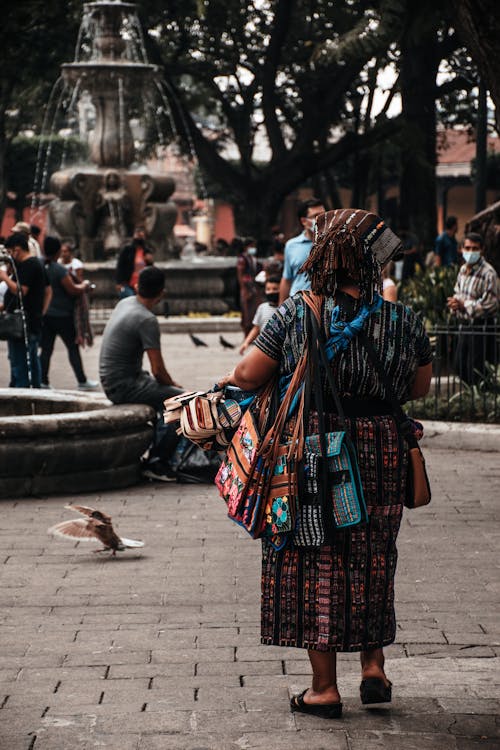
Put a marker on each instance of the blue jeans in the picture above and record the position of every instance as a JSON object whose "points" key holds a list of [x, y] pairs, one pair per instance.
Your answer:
{"points": [[18, 365], [145, 390]]}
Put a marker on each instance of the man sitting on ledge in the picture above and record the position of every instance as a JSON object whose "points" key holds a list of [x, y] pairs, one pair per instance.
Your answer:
{"points": [[132, 330]]}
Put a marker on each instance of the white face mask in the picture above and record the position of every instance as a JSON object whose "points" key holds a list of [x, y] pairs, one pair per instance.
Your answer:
{"points": [[471, 257], [252, 250]]}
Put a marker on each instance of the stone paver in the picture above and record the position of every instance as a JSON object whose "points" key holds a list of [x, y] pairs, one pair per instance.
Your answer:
{"points": [[160, 648]]}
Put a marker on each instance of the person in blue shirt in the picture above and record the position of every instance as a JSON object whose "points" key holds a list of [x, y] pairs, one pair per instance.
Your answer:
{"points": [[297, 249], [446, 247]]}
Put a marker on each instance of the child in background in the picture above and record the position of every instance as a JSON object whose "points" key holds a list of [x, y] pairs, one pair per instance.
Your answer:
{"points": [[264, 312]]}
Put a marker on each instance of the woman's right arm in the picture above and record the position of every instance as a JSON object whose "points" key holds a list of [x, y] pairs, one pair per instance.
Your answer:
{"points": [[71, 288], [255, 369], [422, 382]]}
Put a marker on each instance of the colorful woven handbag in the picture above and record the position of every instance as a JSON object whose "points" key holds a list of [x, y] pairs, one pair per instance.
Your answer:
{"points": [[259, 477]]}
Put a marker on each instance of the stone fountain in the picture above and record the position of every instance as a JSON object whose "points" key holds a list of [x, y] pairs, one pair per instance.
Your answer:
{"points": [[97, 206]]}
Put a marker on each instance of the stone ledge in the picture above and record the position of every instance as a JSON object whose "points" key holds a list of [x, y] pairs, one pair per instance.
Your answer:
{"points": [[461, 436], [178, 323]]}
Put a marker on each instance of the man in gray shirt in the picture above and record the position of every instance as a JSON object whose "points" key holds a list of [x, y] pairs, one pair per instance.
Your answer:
{"points": [[132, 330]]}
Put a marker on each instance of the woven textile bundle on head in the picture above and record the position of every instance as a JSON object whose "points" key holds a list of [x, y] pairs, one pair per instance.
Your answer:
{"points": [[354, 243]]}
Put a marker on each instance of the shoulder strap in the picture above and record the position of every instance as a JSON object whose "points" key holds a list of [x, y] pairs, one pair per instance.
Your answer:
{"points": [[397, 411], [318, 337]]}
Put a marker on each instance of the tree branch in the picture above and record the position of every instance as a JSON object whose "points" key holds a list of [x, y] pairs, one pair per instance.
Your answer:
{"points": [[206, 150], [281, 25], [291, 172]]}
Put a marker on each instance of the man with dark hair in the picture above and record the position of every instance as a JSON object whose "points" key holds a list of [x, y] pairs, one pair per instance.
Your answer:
{"points": [[446, 247], [132, 259], [297, 249], [132, 330], [36, 296], [475, 301]]}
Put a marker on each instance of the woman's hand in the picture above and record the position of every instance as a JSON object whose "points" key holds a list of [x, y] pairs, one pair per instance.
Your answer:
{"points": [[225, 379]]}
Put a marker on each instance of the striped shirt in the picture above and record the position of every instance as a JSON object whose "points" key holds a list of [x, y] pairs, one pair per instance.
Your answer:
{"points": [[477, 288]]}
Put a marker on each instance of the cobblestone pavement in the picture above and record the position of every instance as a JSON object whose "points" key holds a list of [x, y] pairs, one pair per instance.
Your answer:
{"points": [[160, 649]]}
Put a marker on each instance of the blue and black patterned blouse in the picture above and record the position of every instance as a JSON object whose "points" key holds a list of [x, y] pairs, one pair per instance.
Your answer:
{"points": [[396, 332]]}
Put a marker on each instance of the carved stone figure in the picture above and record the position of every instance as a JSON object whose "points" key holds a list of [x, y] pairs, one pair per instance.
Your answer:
{"points": [[98, 206]]}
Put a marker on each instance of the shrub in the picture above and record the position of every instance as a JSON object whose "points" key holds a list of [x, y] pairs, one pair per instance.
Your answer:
{"points": [[426, 293]]}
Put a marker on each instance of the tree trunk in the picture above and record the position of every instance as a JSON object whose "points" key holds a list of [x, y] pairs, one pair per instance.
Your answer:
{"points": [[478, 23], [481, 147], [419, 66], [3, 194], [255, 212]]}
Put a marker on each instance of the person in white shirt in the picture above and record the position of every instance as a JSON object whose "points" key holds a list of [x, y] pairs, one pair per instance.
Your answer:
{"points": [[73, 265], [33, 240]]}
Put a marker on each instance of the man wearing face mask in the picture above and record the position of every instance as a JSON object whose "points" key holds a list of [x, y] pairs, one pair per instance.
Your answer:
{"points": [[297, 249], [247, 268], [475, 301]]}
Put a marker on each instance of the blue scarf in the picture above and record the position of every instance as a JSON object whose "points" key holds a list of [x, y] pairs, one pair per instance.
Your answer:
{"points": [[341, 334]]}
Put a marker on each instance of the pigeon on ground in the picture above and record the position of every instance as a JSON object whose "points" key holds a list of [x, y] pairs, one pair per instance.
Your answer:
{"points": [[197, 341], [96, 527], [226, 344]]}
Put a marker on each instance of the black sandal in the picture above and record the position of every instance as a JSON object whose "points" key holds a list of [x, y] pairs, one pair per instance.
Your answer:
{"points": [[323, 710], [374, 690]]}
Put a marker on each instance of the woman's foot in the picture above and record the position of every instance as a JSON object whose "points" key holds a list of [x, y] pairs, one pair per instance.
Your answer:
{"points": [[317, 704], [328, 696], [372, 666], [375, 687], [375, 690]]}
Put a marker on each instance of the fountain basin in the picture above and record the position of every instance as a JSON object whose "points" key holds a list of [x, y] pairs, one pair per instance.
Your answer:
{"points": [[64, 442]]}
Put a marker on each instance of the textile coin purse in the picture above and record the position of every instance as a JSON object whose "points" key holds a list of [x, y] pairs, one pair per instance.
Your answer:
{"points": [[204, 418]]}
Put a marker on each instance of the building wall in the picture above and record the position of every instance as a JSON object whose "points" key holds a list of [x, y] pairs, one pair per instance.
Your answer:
{"points": [[224, 222], [460, 203], [9, 219]]}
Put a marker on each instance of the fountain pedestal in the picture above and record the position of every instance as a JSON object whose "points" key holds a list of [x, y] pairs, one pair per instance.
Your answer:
{"points": [[63, 442], [98, 206]]}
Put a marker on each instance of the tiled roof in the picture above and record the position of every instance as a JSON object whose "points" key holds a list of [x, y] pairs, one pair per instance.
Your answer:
{"points": [[459, 146]]}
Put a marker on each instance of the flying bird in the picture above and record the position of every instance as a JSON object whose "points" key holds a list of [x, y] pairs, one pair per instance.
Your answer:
{"points": [[225, 343], [197, 341], [96, 526]]}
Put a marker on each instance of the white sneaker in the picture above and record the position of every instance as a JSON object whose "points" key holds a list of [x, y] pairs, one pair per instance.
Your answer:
{"points": [[89, 385], [46, 387]]}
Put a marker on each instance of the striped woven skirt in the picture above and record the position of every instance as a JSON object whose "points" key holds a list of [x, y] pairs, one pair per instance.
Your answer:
{"points": [[340, 596]]}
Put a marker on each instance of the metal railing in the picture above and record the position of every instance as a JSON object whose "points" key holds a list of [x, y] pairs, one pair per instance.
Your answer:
{"points": [[466, 374]]}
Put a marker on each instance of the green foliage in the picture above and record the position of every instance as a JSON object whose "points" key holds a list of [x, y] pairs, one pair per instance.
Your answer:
{"points": [[426, 293], [35, 38], [465, 403], [246, 78], [24, 151]]}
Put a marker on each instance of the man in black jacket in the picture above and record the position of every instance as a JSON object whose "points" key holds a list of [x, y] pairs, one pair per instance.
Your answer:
{"points": [[132, 259], [34, 287]]}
